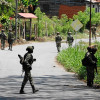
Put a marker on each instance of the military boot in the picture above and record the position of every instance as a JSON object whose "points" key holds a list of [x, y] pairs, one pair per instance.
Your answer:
{"points": [[33, 89], [22, 90]]}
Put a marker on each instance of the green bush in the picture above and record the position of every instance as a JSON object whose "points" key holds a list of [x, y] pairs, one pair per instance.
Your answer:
{"points": [[71, 58]]}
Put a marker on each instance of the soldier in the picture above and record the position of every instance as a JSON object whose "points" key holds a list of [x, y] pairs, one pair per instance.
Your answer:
{"points": [[93, 29], [3, 38], [27, 67], [10, 39], [70, 39], [58, 40], [92, 64]]}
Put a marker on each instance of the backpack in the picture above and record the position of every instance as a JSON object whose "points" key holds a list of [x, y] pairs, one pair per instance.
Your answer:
{"points": [[85, 61]]}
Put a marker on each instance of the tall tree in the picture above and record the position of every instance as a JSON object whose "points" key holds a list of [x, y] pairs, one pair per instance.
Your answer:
{"points": [[30, 4]]}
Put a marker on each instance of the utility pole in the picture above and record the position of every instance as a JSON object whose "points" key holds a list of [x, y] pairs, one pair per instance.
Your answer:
{"points": [[16, 20], [90, 26]]}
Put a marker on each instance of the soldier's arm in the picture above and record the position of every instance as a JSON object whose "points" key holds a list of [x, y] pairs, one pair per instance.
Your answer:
{"points": [[88, 55], [26, 61]]}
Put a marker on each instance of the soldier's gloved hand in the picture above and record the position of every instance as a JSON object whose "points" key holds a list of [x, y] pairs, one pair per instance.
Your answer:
{"points": [[34, 59]]}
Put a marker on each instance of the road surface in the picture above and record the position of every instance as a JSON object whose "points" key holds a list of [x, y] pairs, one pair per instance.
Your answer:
{"points": [[53, 82]]}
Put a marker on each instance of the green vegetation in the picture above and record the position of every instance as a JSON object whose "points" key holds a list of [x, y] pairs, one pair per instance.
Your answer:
{"points": [[49, 26], [44, 25], [71, 59]]}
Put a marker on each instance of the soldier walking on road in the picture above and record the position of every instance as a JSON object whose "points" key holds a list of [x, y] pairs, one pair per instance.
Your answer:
{"points": [[10, 39], [3, 38], [70, 39], [93, 29], [27, 67], [92, 64], [58, 40]]}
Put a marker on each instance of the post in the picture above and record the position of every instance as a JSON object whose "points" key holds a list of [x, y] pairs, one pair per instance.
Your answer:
{"points": [[30, 28], [90, 26], [16, 20], [19, 29]]}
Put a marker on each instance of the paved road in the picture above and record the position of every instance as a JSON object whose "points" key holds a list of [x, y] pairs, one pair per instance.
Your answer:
{"points": [[54, 83]]}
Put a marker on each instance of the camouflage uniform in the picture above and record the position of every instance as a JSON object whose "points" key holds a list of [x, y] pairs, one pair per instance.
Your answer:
{"points": [[92, 60], [70, 39], [93, 29], [3, 38], [10, 39], [58, 40], [27, 67]]}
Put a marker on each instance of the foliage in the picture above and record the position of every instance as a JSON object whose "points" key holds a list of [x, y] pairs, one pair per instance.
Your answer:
{"points": [[6, 11], [6, 8], [71, 59], [26, 3], [5, 21], [84, 17]]}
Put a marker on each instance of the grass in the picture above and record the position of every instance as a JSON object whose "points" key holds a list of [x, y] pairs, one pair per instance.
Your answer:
{"points": [[71, 59]]}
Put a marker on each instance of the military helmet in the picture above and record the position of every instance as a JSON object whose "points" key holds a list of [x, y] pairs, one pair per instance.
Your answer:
{"points": [[69, 32], [58, 33], [30, 49], [2, 30], [10, 29], [92, 48], [89, 48]]}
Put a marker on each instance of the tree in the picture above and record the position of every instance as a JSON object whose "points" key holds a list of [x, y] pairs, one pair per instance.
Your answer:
{"points": [[84, 18], [30, 4], [6, 11]]}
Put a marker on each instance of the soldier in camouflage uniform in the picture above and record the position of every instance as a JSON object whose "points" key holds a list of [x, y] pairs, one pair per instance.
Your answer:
{"points": [[10, 39], [70, 39], [27, 67], [3, 38], [58, 40], [93, 29], [92, 64]]}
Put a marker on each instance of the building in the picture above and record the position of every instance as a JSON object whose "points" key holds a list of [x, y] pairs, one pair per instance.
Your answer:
{"points": [[94, 4], [59, 7]]}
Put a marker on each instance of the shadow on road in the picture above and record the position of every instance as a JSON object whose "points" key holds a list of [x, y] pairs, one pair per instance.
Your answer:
{"points": [[62, 87]]}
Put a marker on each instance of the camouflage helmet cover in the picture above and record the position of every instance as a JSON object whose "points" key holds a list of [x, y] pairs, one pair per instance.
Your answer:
{"points": [[2, 30], [69, 32], [58, 33], [92, 48], [30, 48], [10, 29]]}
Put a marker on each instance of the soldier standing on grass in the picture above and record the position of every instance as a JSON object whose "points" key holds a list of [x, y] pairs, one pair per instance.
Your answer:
{"points": [[92, 64], [10, 39], [58, 40], [70, 39], [3, 37], [93, 29], [27, 67]]}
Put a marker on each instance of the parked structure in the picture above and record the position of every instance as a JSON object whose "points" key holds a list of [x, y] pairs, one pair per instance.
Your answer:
{"points": [[59, 7], [94, 4]]}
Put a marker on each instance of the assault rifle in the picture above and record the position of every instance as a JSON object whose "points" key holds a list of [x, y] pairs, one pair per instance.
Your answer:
{"points": [[96, 68], [21, 59], [21, 62]]}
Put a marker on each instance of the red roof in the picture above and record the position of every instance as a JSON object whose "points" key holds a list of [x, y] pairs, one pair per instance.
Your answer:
{"points": [[27, 15], [0, 25], [94, 1]]}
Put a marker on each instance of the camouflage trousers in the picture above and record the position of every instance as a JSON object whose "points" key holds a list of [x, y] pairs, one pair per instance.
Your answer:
{"points": [[10, 46], [93, 35], [27, 77], [2, 44], [90, 75], [70, 44], [58, 45]]}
